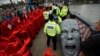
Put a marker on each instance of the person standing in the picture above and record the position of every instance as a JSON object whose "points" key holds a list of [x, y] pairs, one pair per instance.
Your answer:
{"points": [[64, 11], [57, 18], [46, 14], [30, 5], [51, 29]]}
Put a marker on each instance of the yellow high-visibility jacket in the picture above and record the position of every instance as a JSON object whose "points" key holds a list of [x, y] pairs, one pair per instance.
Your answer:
{"points": [[57, 19], [63, 11], [51, 28], [57, 8]]}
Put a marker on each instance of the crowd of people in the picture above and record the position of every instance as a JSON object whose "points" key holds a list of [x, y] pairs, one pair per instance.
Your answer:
{"points": [[54, 14], [17, 10], [57, 14], [9, 13], [18, 25]]}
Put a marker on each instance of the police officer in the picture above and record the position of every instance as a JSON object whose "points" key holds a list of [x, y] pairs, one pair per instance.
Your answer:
{"points": [[47, 12], [51, 29], [57, 18], [64, 11], [55, 6]]}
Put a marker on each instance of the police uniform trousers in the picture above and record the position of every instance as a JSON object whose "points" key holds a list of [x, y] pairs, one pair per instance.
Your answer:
{"points": [[54, 40]]}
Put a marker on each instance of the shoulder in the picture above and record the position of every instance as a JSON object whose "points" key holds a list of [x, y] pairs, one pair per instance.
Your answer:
{"points": [[56, 24], [48, 23]]}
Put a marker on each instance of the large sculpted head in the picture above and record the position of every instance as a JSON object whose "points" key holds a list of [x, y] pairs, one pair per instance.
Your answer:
{"points": [[70, 37]]}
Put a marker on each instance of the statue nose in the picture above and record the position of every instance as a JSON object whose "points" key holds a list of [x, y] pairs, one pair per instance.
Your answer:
{"points": [[69, 35]]}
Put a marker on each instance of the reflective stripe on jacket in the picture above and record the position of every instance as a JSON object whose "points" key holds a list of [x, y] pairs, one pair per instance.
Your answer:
{"points": [[51, 28]]}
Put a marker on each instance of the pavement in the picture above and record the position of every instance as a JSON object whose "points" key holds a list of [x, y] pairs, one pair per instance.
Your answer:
{"points": [[39, 45]]}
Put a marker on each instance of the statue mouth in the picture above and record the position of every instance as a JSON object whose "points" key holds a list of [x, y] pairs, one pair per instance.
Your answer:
{"points": [[70, 46], [70, 49]]}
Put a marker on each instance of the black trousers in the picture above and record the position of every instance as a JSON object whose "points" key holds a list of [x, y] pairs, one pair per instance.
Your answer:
{"points": [[54, 40], [63, 18]]}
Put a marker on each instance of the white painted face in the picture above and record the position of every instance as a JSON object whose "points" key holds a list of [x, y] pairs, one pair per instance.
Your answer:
{"points": [[70, 37]]}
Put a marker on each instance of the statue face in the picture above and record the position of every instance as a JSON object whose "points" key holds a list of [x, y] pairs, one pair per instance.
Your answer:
{"points": [[70, 40]]}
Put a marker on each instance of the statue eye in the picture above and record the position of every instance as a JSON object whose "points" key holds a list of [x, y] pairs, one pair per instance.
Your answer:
{"points": [[64, 31], [74, 30]]}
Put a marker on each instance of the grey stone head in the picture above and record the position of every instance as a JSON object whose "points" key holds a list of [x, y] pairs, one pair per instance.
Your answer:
{"points": [[70, 37]]}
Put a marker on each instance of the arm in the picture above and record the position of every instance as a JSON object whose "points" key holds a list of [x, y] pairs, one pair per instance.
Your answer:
{"points": [[59, 19], [45, 27], [58, 29]]}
